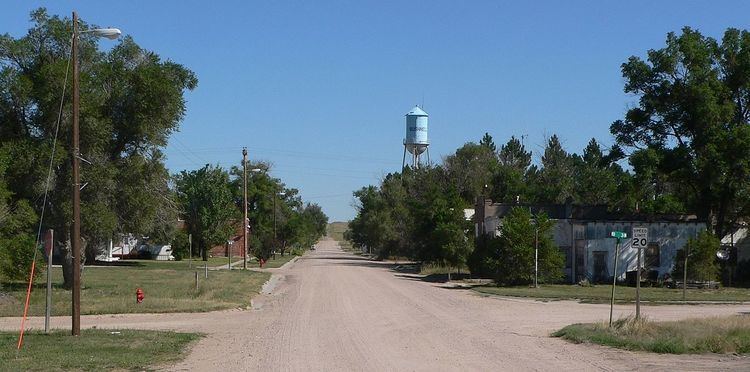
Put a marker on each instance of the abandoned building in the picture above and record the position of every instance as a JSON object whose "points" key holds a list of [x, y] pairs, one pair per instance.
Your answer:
{"points": [[583, 235]]}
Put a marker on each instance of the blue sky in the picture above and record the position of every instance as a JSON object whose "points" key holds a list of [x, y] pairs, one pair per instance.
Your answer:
{"points": [[320, 88]]}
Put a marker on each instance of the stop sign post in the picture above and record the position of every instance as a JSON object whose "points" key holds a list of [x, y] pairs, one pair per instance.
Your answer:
{"points": [[640, 240]]}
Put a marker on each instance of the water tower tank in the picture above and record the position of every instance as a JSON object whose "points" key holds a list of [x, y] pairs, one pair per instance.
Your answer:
{"points": [[416, 131]]}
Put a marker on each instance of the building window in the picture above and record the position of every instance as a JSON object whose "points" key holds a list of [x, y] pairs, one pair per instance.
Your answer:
{"points": [[653, 258]]}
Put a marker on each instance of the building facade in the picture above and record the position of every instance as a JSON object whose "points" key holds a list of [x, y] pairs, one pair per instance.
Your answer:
{"points": [[582, 234]]}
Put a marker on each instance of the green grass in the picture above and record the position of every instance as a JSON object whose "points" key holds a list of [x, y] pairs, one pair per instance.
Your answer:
{"points": [[278, 262], [184, 264], [94, 350], [623, 294], [168, 287], [691, 336]]}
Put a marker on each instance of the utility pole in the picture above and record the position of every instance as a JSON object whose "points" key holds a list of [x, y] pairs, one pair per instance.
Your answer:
{"points": [[244, 208], [76, 233], [75, 243], [190, 250]]}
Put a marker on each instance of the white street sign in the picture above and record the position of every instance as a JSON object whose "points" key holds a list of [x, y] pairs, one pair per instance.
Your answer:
{"points": [[640, 237]]}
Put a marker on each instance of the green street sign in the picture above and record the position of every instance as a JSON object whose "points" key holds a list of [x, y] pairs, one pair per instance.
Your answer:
{"points": [[618, 234]]}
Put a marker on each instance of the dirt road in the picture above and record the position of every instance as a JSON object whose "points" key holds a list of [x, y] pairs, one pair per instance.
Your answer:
{"points": [[331, 311]]}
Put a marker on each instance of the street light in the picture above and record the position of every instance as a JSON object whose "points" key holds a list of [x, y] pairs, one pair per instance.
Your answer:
{"points": [[244, 208], [109, 33]]}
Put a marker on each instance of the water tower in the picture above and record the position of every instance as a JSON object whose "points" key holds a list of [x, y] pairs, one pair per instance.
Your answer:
{"points": [[416, 142]]}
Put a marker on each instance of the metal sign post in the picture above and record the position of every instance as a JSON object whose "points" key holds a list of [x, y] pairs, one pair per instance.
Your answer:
{"points": [[640, 239], [48, 248], [619, 235]]}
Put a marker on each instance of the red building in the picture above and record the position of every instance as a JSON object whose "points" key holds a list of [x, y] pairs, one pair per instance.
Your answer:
{"points": [[235, 249]]}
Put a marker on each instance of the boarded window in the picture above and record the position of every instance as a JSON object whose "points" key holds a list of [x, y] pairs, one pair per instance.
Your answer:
{"points": [[652, 257]]}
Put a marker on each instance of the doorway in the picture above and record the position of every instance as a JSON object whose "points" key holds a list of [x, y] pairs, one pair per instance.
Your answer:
{"points": [[600, 266]]}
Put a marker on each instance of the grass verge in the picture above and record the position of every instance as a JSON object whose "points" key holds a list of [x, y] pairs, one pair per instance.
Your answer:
{"points": [[94, 350], [168, 286], [278, 262], [601, 293], [690, 336]]}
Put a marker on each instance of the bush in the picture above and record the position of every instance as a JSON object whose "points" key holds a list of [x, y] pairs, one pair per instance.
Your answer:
{"points": [[702, 264], [16, 255], [509, 258], [180, 245]]}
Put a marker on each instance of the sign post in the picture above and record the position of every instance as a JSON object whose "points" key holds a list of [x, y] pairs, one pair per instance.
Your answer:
{"points": [[48, 249], [619, 235], [640, 239]]}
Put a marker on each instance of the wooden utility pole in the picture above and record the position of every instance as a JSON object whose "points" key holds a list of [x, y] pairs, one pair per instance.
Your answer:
{"points": [[75, 153], [244, 208]]}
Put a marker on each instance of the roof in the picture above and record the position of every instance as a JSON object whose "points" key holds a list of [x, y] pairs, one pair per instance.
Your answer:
{"points": [[416, 111], [585, 213]]}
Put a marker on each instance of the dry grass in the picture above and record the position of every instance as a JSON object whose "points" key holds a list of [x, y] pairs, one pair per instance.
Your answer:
{"points": [[168, 287], [336, 232], [434, 269], [690, 336]]}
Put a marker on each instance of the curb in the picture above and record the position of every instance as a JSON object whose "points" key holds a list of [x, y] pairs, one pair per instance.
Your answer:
{"points": [[293, 260]]}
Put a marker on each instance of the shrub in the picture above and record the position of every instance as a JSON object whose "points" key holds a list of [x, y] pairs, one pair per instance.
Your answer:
{"points": [[509, 258], [702, 263], [16, 255]]}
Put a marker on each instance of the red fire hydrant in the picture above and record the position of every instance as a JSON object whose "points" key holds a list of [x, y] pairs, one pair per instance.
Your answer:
{"points": [[138, 295]]}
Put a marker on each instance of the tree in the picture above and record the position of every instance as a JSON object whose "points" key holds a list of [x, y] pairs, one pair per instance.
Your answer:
{"points": [[702, 264], [511, 181], [470, 169], [509, 258], [131, 101], [692, 114], [555, 182], [17, 242], [487, 142], [596, 176], [209, 210]]}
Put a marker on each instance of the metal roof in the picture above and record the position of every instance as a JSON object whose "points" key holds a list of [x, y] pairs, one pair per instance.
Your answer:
{"points": [[416, 111]]}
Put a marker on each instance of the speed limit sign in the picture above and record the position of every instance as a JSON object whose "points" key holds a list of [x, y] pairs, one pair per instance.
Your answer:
{"points": [[640, 237]]}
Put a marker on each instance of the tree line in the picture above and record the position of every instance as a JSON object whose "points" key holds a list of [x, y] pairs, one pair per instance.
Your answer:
{"points": [[131, 102], [683, 147], [212, 200]]}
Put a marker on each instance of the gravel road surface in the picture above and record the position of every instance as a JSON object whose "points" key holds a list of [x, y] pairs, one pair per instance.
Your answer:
{"points": [[332, 311]]}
